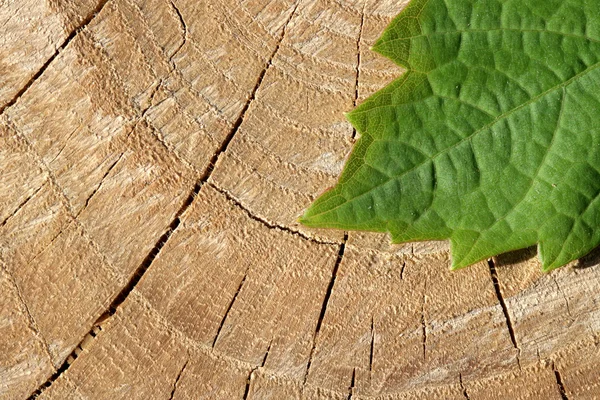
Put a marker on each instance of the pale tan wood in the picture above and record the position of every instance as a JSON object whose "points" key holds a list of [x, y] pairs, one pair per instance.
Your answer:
{"points": [[154, 158], [31, 32], [25, 360]]}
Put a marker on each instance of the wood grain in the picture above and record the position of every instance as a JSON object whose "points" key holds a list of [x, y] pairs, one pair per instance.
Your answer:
{"points": [[154, 158]]}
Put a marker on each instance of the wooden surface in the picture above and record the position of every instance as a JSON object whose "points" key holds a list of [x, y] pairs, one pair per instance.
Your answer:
{"points": [[154, 157]]}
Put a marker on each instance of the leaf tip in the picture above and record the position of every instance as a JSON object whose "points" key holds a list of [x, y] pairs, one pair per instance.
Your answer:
{"points": [[303, 220], [307, 219]]}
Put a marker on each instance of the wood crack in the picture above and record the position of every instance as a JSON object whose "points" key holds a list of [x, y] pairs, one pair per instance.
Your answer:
{"points": [[463, 388], [263, 221], [424, 328], [371, 348], [110, 168], [352, 384], [330, 286], [50, 243], [264, 360], [235, 296], [252, 371], [183, 28], [559, 383], [69, 360], [509, 326], [403, 267], [358, 40], [248, 383], [150, 104], [86, 21], [238, 123], [21, 205], [141, 270], [177, 378], [67, 140]]}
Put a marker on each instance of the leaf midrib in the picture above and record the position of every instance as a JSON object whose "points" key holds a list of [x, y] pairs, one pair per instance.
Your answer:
{"points": [[463, 140]]}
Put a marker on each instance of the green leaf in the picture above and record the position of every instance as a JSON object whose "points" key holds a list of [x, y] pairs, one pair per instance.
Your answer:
{"points": [[490, 139]]}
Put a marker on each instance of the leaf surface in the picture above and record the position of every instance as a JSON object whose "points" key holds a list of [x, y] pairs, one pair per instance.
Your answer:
{"points": [[490, 139]]}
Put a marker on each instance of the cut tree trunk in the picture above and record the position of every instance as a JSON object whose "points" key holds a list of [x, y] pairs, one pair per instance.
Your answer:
{"points": [[154, 158]]}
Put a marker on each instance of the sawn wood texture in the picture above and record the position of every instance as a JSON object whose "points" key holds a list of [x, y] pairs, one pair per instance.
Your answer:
{"points": [[154, 158]]}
